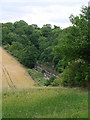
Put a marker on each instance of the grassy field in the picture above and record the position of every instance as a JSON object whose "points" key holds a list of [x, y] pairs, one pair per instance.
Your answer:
{"points": [[49, 102]]}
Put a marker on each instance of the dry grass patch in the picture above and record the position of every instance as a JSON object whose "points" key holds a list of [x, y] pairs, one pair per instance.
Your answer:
{"points": [[13, 73]]}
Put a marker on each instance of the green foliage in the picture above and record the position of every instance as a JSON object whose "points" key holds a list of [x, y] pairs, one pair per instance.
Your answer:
{"points": [[15, 48], [56, 82], [6, 46], [50, 81], [43, 43], [74, 49], [82, 43], [75, 43], [19, 24], [9, 26], [46, 30], [38, 77], [28, 56], [34, 38], [76, 74], [43, 71]]}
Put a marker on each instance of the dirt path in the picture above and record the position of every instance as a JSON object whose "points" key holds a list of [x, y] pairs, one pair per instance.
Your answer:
{"points": [[14, 75]]}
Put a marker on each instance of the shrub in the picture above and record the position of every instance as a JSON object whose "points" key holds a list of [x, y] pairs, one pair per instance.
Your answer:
{"points": [[76, 74], [6, 46], [49, 82], [43, 71], [56, 82]]}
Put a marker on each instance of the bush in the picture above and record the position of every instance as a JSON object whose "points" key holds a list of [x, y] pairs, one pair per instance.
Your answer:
{"points": [[43, 71], [76, 74], [49, 82], [56, 82], [6, 46]]}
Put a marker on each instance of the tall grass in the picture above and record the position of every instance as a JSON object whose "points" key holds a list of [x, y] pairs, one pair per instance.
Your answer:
{"points": [[45, 103]]}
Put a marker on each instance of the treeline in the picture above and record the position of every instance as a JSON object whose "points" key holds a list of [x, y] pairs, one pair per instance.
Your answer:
{"points": [[67, 49]]}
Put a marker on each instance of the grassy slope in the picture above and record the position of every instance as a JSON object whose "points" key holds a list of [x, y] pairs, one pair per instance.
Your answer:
{"points": [[46, 103], [38, 77]]}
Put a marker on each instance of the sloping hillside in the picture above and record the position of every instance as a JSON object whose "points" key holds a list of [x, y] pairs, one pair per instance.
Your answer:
{"points": [[14, 75]]}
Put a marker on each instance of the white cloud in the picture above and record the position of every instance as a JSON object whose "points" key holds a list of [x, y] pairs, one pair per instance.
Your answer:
{"points": [[52, 15], [55, 12]]}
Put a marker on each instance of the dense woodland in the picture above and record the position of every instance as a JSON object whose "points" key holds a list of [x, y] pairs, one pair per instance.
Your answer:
{"points": [[68, 50]]}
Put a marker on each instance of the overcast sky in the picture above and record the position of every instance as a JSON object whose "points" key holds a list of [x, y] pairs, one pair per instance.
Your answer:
{"points": [[40, 12]]}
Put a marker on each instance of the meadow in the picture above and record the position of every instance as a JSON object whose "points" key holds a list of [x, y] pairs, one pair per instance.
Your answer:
{"points": [[45, 102]]}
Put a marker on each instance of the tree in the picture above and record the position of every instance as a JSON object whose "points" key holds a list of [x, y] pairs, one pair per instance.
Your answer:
{"points": [[28, 29], [19, 24], [10, 26], [11, 37], [34, 38], [47, 55], [82, 43], [15, 48], [75, 51], [43, 43], [28, 56], [46, 30], [75, 43]]}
